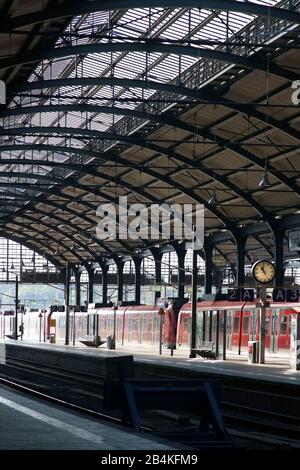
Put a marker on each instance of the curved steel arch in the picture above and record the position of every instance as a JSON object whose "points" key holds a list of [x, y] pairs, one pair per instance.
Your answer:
{"points": [[83, 203], [80, 9], [205, 95], [30, 246], [50, 202], [168, 120], [68, 223], [141, 142], [56, 229], [45, 235], [90, 169], [39, 242], [164, 178], [149, 46], [59, 206]]}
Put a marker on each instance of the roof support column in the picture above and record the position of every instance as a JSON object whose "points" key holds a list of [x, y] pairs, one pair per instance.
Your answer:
{"points": [[240, 262], [67, 303], [157, 261], [208, 249], [279, 240], [181, 252], [120, 277], [91, 286], [137, 267], [77, 284], [104, 269]]}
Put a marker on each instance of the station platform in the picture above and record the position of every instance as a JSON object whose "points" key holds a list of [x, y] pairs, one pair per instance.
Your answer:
{"points": [[276, 369], [31, 424]]}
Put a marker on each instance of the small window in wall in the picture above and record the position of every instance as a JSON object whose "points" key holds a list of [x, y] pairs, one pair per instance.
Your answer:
{"points": [[236, 322], [245, 325]]}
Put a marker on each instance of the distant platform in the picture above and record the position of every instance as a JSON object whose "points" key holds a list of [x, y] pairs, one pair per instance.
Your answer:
{"points": [[276, 369]]}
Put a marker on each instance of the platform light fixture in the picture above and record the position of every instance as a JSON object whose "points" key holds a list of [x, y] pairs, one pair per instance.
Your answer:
{"points": [[264, 182], [213, 199]]}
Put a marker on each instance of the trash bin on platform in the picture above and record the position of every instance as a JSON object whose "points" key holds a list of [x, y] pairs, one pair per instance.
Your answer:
{"points": [[253, 352], [52, 338], [110, 342]]}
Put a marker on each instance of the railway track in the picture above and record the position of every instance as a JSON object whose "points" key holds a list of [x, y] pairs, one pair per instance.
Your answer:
{"points": [[85, 396]]}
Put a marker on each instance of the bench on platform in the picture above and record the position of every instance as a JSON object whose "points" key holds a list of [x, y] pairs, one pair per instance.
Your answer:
{"points": [[206, 349], [92, 343]]}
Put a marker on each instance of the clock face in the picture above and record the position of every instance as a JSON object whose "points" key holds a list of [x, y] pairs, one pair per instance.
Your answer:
{"points": [[263, 271]]}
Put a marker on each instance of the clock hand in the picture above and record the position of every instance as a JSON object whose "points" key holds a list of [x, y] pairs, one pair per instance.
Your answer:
{"points": [[263, 269]]}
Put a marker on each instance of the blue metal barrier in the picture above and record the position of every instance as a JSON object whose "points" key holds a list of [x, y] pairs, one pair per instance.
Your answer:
{"points": [[200, 398]]}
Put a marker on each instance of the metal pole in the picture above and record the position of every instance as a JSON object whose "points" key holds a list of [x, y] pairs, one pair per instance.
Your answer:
{"points": [[161, 333], [74, 333], [16, 306], [114, 332], [224, 334], [40, 332], [194, 305], [262, 325], [67, 301], [44, 319]]}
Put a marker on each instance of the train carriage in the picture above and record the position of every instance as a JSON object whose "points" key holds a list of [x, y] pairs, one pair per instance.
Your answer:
{"points": [[132, 324], [242, 324]]}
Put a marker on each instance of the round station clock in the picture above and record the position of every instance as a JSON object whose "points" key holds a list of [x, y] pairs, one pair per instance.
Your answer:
{"points": [[263, 271]]}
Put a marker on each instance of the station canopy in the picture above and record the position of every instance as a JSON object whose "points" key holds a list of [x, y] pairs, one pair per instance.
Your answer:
{"points": [[162, 101]]}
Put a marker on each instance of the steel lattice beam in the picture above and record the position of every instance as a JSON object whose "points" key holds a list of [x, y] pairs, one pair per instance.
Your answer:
{"points": [[147, 144], [252, 63], [79, 8]]}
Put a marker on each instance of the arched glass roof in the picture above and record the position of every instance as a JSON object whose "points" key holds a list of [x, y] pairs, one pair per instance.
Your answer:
{"points": [[175, 103]]}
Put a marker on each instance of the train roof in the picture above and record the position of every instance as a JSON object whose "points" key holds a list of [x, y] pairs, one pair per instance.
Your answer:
{"points": [[229, 305], [129, 309]]}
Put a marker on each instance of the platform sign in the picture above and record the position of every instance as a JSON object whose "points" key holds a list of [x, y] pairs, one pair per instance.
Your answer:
{"points": [[285, 295], [60, 308], [278, 295], [234, 294], [240, 294], [292, 295]]}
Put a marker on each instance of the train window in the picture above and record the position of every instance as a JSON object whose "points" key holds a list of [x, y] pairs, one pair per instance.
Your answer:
{"points": [[245, 325], [283, 325], [236, 322]]}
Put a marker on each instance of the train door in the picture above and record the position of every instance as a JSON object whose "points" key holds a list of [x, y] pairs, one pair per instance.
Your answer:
{"points": [[235, 328], [274, 324], [229, 328], [284, 330], [91, 325], [184, 329], [246, 328]]}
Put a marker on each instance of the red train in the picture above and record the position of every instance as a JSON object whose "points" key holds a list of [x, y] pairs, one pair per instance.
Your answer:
{"points": [[222, 322], [242, 324]]}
